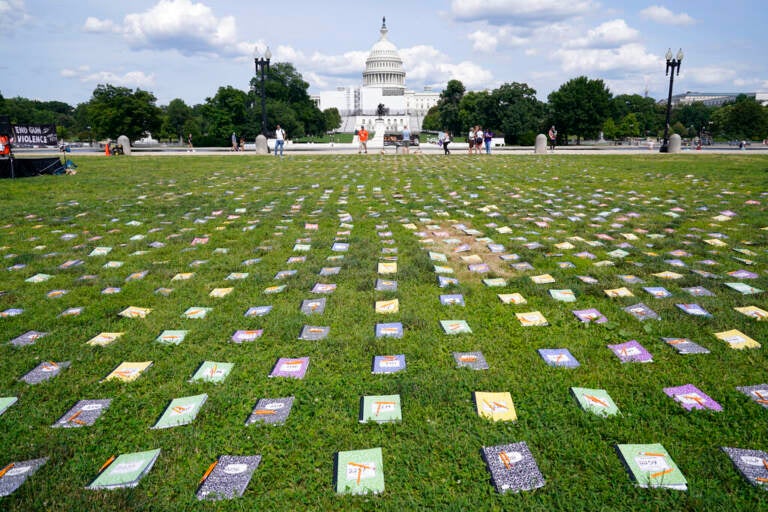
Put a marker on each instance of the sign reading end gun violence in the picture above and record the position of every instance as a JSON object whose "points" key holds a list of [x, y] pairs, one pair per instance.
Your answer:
{"points": [[30, 135]]}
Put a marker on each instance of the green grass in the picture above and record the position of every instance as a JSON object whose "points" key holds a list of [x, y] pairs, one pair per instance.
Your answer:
{"points": [[432, 459]]}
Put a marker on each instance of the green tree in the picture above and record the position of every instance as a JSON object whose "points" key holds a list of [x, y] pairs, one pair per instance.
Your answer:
{"points": [[115, 111], [609, 129], [628, 126], [448, 107], [748, 119], [332, 119], [695, 114], [176, 119], [515, 111], [644, 109], [432, 120], [580, 107], [472, 110]]}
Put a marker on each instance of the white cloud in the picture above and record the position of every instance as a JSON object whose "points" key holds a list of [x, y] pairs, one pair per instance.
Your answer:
{"points": [[709, 76], [607, 35], [131, 79], [12, 14], [501, 12], [664, 16], [490, 39], [426, 65], [98, 26], [629, 57]]}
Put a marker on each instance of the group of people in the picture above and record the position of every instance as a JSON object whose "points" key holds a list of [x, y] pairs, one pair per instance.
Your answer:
{"points": [[479, 140]]}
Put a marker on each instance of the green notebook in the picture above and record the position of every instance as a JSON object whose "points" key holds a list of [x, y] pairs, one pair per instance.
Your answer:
{"points": [[6, 402], [212, 371], [360, 472], [181, 411], [126, 470], [596, 401], [380, 408], [651, 466]]}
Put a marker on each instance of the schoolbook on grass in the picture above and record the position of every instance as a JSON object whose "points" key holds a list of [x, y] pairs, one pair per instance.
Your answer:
{"points": [[752, 464], [758, 393], [512, 467], [181, 411], [558, 357], [83, 413], [16, 473], [472, 360], [44, 371], [685, 346], [227, 477], [128, 371], [271, 411], [388, 364], [495, 406], [596, 401], [212, 371], [6, 402], [691, 397], [125, 471], [650, 465], [380, 409], [360, 472], [294, 368]]}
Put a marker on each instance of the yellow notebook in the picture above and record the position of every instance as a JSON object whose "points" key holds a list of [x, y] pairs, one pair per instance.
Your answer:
{"points": [[495, 406]]}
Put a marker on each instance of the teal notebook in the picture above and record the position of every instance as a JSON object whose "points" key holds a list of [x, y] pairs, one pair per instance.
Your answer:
{"points": [[126, 470], [651, 466], [181, 411], [380, 409], [596, 401]]}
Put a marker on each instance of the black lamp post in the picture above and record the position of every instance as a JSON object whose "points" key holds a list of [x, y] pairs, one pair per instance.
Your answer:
{"points": [[262, 68], [673, 64]]}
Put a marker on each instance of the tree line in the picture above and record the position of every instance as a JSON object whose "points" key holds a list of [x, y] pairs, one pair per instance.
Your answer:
{"points": [[581, 108], [584, 108]]}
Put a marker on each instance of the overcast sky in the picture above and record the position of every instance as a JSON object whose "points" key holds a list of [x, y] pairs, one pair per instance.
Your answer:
{"points": [[62, 49]]}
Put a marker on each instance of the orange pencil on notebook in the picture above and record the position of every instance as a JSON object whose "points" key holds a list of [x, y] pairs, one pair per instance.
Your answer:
{"points": [[505, 460], [662, 473], [109, 461], [73, 418], [360, 469], [208, 471], [6, 469], [596, 400]]}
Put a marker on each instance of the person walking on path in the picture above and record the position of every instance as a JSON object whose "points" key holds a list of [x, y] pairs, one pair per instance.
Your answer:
{"points": [[552, 137], [406, 139], [362, 137], [189, 143], [471, 139], [445, 139], [478, 139], [279, 140], [234, 142]]}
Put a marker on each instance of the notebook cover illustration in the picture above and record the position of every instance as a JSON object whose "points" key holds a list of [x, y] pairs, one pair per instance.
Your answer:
{"points": [[380, 409], [658, 292], [83, 413], [258, 311], [512, 467], [323, 288], [564, 295], [743, 288], [495, 406], [631, 352], [694, 309], [329, 271], [245, 335], [691, 397], [386, 285], [271, 411], [387, 307], [737, 339], [455, 299], [126, 470], [218, 293], [314, 333], [455, 327], [181, 411], [388, 364], [532, 319], [511, 298], [753, 312], [685, 346], [751, 464], [228, 477], [212, 371], [15, 474], [392, 330], [445, 282], [641, 312], [44, 371], [313, 306], [650, 465], [6, 402], [472, 360], [590, 315], [360, 472], [387, 267], [543, 279], [271, 290], [290, 367], [558, 357], [698, 291], [496, 282], [596, 401], [619, 292], [28, 338], [758, 393], [128, 371], [196, 312], [171, 337]]}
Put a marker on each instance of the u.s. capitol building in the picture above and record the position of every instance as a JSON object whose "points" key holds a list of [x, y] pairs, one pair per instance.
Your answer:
{"points": [[383, 84]]}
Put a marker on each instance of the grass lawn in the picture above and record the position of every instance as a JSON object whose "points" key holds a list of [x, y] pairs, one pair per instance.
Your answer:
{"points": [[621, 220]]}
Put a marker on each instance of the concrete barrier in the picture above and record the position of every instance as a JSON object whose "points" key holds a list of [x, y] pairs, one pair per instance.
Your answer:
{"points": [[541, 144]]}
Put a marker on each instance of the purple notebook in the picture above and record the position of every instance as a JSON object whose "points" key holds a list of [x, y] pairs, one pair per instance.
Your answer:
{"points": [[631, 352], [590, 315], [558, 357], [691, 397], [294, 368]]}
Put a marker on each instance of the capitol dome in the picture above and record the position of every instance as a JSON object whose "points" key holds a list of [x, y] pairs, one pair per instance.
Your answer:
{"points": [[384, 67]]}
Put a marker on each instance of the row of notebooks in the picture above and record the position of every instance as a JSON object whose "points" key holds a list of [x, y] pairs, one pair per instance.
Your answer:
{"points": [[512, 467]]}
